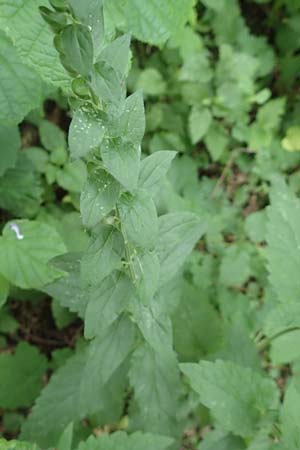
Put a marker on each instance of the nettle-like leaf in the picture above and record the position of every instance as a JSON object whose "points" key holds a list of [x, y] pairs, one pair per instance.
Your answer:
{"points": [[20, 89], [25, 250], [283, 237], [21, 376], [121, 440], [239, 398]]}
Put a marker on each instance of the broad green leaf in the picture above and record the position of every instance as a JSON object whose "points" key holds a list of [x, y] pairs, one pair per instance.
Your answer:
{"points": [[98, 197], [148, 26], [178, 233], [283, 237], [62, 317], [21, 376], [20, 189], [290, 416], [199, 122], [216, 440], [291, 142], [256, 226], [155, 380], [121, 440], [52, 137], [146, 270], [154, 168], [65, 441], [132, 120], [235, 266], [106, 354], [86, 132], [25, 249], [139, 219], [20, 89], [239, 398], [90, 13], [75, 42], [103, 255], [216, 140], [72, 176], [10, 143], [107, 84], [285, 347], [151, 82], [122, 160], [116, 54], [283, 317], [38, 157], [16, 445], [23, 18], [106, 302]]}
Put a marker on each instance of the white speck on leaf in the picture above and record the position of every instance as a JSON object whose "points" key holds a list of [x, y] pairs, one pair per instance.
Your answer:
{"points": [[16, 229]]}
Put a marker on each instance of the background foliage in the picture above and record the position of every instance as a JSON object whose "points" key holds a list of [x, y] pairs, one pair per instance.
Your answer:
{"points": [[149, 299]]}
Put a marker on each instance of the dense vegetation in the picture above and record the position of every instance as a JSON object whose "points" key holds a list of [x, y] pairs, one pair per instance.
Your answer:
{"points": [[150, 246]]}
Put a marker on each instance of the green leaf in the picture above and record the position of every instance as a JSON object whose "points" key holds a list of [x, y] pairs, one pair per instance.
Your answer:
{"points": [[16, 445], [90, 13], [239, 398], [151, 82], [20, 89], [148, 26], [199, 122], [132, 120], [73, 176], [106, 302], [290, 416], [139, 219], [65, 441], [21, 376], [98, 197], [122, 160], [10, 143], [178, 233], [52, 137], [25, 249], [4, 290], [37, 51], [154, 378], [216, 140], [103, 255], [120, 440], [116, 54], [106, 354], [77, 47], [235, 266], [291, 142], [86, 132], [283, 237], [153, 169], [20, 189], [62, 317], [146, 269], [107, 84]]}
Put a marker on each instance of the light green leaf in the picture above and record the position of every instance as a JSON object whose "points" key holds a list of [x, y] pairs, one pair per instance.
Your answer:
{"points": [[116, 54], [239, 398], [4, 290], [216, 140], [25, 249], [22, 18], [76, 44], [148, 26], [21, 376], [103, 255], [85, 133], [154, 168], [155, 380], [62, 317], [65, 441], [20, 89], [139, 218], [106, 302], [98, 197], [178, 233], [151, 82], [52, 137], [10, 143], [122, 160], [121, 440], [290, 416], [283, 237], [132, 120], [291, 142], [235, 266], [256, 226], [16, 445], [146, 269], [199, 122], [106, 83], [73, 176]]}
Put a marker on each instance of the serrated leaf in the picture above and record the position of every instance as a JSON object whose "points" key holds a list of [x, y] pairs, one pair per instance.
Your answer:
{"points": [[106, 302], [199, 122], [98, 197], [25, 249], [283, 237], [122, 160], [21, 376], [178, 233], [154, 378], [86, 132], [154, 168], [10, 143], [23, 18], [20, 86], [139, 219], [239, 398], [149, 26], [120, 440]]}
